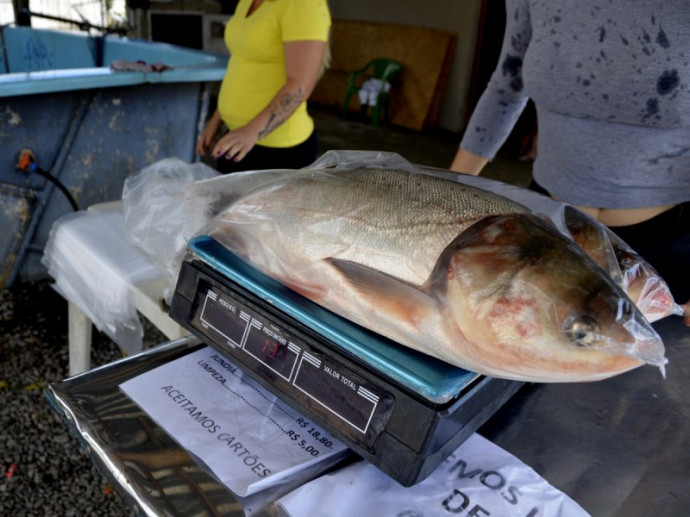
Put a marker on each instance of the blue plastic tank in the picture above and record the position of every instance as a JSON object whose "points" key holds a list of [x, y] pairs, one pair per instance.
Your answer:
{"points": [[88, 125]]}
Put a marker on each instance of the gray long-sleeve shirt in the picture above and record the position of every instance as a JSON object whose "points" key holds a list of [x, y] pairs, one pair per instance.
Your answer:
{"points": [[611, 83]]}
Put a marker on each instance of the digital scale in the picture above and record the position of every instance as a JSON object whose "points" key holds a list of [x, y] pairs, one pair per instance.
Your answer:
{"points": [[403, 411]]}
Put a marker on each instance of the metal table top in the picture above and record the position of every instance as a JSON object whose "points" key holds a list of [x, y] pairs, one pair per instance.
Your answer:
{"points": [[618, 447]]}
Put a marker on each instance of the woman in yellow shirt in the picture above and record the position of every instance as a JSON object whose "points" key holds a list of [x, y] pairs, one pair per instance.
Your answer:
{"points": [[277, 51]]}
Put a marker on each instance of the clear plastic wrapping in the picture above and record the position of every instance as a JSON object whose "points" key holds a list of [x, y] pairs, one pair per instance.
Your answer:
{"points": [[165, 205], [96, 255], [378, 240], [93, 267]]}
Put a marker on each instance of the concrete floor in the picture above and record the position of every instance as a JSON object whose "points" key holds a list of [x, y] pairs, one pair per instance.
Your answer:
{"points": [[432, 148]]}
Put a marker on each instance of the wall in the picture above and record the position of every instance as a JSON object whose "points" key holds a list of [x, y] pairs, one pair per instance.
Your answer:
{"points": [[92, 11], [417, 93], [461, 16]]}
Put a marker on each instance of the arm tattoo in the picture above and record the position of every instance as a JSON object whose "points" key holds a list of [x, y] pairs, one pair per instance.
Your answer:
{"points": [[281, 109]]}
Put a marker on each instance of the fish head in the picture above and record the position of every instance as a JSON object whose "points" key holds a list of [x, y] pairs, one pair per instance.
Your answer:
{"points": [[529, 299], [644, 284], [645, 287]]}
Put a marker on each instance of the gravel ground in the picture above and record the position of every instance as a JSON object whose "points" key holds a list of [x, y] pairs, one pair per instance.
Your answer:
{"points": [[43, 471]]}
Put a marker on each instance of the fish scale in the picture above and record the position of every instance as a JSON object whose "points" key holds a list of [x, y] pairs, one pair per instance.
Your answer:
{"points": [[386, 219]]}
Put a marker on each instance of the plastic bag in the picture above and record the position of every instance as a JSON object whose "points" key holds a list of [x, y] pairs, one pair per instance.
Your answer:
{"points": [[163, 209], [93, 268], [630, 271], [320, 234]]}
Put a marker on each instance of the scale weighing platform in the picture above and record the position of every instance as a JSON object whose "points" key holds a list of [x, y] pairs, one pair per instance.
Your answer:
{"points": [[403, 411]]}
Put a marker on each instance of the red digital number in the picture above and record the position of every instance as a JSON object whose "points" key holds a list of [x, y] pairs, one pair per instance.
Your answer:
{"points": [[270, 348]]}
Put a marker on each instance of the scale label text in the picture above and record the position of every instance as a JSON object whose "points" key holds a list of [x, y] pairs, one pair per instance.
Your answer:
{"points": [[338, 393]]}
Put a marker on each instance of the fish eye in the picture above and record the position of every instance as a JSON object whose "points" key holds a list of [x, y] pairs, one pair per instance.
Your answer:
{"points": [[581, 331]]}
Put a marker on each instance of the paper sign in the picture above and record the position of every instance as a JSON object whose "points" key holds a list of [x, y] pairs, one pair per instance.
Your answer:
{"points": [[247, 437], [479, 479]]}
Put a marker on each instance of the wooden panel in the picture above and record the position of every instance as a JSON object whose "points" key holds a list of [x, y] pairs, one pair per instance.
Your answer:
{"points": [[426, 55]]}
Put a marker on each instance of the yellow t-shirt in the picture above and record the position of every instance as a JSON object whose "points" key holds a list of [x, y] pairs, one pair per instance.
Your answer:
{"points": [[256, 69]]}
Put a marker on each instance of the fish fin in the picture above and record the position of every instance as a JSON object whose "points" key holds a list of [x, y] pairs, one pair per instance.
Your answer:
{"points": [[386, 293]]}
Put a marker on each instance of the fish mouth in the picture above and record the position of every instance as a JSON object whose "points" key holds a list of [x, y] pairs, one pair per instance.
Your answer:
{"points": [[647, 345], [643, 344]]}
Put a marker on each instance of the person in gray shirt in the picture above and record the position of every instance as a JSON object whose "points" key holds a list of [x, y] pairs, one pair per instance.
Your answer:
{"points": [[611, 85]]}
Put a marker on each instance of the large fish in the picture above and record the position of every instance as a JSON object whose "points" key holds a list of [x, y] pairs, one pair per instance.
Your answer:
{"points": [[453, 271], [636, 276]]}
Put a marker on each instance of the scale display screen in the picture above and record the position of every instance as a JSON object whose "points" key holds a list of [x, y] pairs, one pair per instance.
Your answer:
{"points": [[290, 360]]}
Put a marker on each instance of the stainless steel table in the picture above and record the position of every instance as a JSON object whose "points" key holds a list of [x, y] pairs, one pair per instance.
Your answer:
{"points": [[618, 447], [152, 472]]}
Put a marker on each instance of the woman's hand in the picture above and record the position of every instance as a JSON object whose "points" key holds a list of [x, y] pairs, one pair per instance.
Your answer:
{"points": [[206, 138], [236, 144]]}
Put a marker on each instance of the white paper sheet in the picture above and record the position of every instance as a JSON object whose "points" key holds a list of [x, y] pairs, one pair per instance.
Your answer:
{"points": [[247, 437], [479, 479]]}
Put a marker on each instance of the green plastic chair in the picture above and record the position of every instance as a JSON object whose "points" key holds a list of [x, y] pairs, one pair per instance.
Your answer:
{"points": [[379, 68]]}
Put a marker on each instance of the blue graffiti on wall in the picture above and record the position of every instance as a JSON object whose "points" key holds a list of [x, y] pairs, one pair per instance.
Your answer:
{"points": [[36, 56]]}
